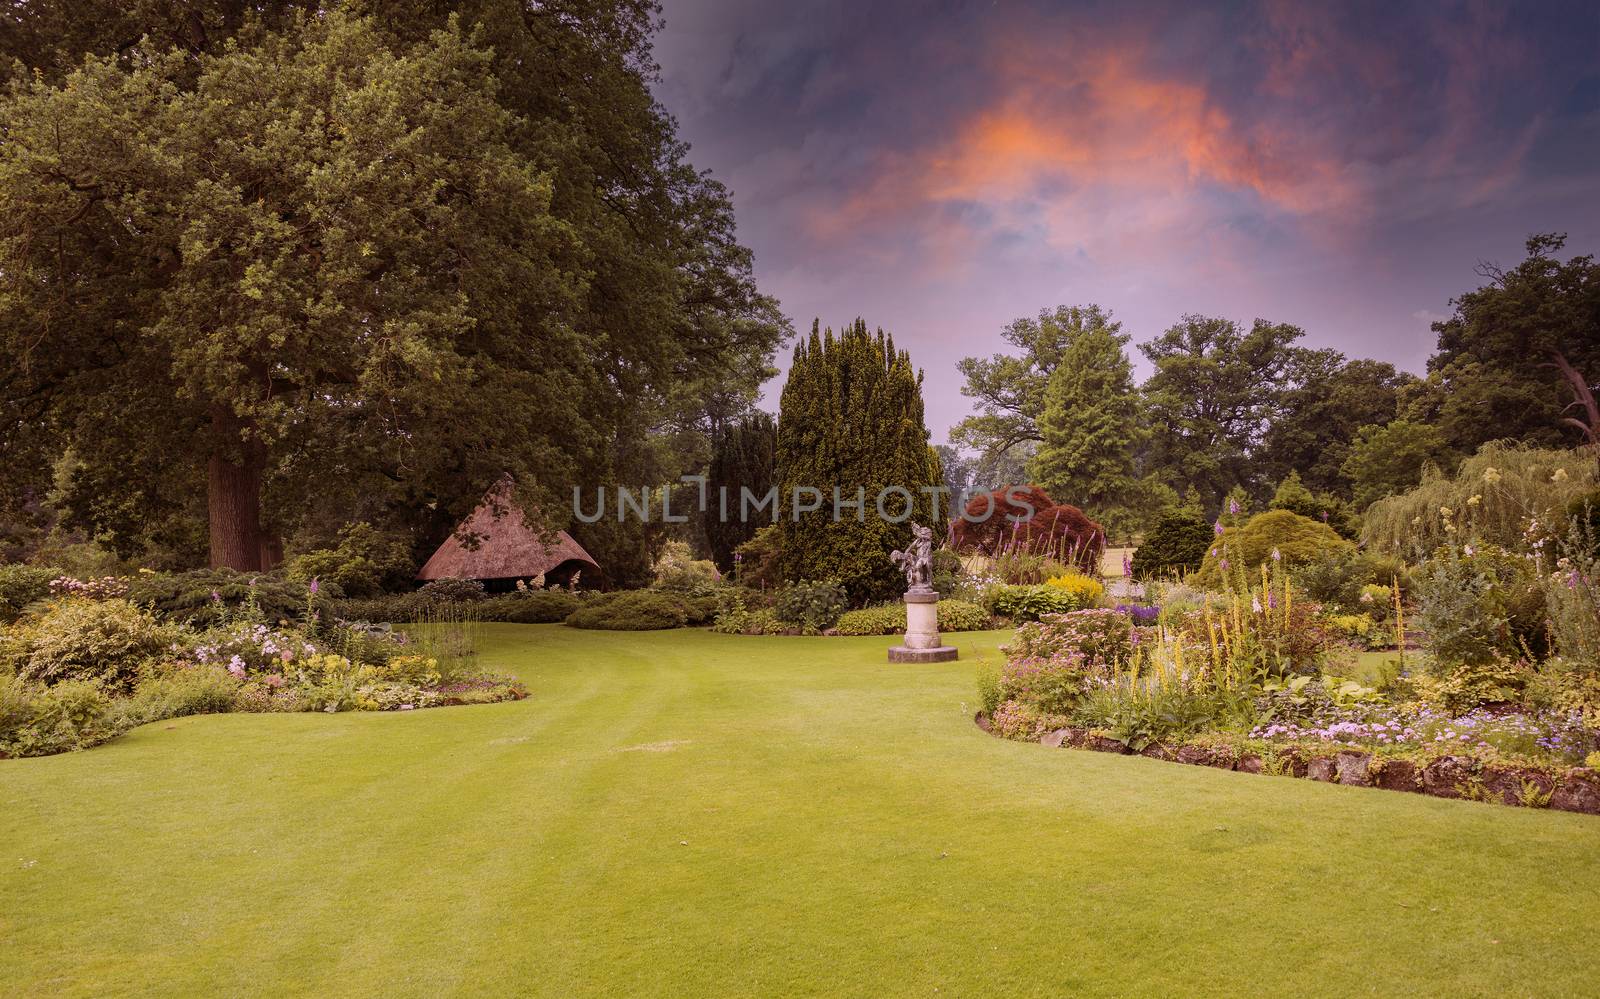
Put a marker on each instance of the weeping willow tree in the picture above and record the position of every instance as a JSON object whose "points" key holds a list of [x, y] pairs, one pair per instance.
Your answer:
{"points": [[1492, 497]]}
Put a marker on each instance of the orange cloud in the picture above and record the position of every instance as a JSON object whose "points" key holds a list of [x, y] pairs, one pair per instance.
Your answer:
{"points": [[1066, 135]]}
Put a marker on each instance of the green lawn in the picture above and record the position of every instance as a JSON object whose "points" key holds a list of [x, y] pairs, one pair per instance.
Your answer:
{"points": [[682, 813]]}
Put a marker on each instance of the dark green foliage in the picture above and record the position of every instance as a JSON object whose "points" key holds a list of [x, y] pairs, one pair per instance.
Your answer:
{"points": [[852, 420], [1583, 514], [21, 585], [1211, 399], [207, 596], [533, 607], [743, 457], [640, 610], [756, 562], [811, 607], [1335, 579], [1292, 495], [1492, 376], [1389, 459], [1294, 538], [1009, 391], [365, 563], [452, 591], [1175, 547], [948, 571], [1029, 603], [1479, 603], [1329, 399], [1091, 428]]}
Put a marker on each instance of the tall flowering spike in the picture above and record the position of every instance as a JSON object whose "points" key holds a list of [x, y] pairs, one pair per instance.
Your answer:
{"points": [[313, 586], [1216, 527], [1233, 507]]}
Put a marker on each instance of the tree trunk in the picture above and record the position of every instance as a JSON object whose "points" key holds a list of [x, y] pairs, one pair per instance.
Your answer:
{"points": [[234, 494]]}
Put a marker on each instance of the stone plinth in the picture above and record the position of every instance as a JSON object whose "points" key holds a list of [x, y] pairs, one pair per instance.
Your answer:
{"points": [[922, 644]]}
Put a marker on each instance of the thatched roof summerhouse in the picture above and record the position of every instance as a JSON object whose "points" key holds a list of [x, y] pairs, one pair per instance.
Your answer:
{"points": [[507, 548]]}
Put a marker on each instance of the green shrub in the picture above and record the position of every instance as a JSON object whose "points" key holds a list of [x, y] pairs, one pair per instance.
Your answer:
{"points": [[452, 591], [38, 721], [756, 562], [1175, 547], [738, 620], [962, 615], [195, 690], [100, 640], [205, 597], [811, 607], [1490, 497], [631, 610], [1276, 535], [989, 687], [881, 619], [1029, 603], [528, 607], [1477, 603], [1339, 577], [949, 574], [678, 571], [1583, 521], [1099, 636], [365, 563], [396, 608], [21, 585]]}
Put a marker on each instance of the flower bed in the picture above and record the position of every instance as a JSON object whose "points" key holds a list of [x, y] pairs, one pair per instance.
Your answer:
{"points": [[1443, 772]]}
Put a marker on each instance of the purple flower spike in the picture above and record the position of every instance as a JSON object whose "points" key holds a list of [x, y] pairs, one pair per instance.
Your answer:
{"points": [[313, 586]]}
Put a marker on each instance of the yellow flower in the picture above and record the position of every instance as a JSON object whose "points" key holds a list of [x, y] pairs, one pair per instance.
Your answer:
{"points": [[1473, 501], [1491, 475], [1560, 476], [1445, 511]]}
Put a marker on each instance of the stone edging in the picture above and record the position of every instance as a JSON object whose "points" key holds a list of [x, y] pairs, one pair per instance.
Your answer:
{"points": [[1460, 777]]}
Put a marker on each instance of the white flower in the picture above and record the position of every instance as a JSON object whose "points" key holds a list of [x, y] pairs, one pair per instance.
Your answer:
{"points": [[1560, 476], [1491, 475]]}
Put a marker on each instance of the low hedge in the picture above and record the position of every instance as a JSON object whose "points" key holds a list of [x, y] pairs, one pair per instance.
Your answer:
{"points": [[642, 610], [889, 619]]}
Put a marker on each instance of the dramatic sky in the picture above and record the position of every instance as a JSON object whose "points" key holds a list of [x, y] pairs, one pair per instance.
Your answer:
{"points": [[941, 167]]}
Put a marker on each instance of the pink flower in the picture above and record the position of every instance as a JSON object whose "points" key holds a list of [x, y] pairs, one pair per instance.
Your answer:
{"points": [[313, 586]]}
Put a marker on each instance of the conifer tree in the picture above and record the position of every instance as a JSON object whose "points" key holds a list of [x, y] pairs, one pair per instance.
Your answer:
{"points": [[1090, 429], [851, 425], [743, 457]]}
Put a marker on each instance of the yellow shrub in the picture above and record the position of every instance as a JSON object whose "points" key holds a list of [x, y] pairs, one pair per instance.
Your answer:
{"points": [[1085, 590]]}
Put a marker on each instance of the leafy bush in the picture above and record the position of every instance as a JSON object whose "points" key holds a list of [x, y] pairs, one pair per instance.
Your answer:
{"points": [[1479, 602], [38, 720], [1342, 579], [738, 620], [1160, 706], [949, 575], [631, 610], [365, 563], [1086, 590], [678, 571], [1490, 498], [1175, 547], [451, 591], [101, 640], [1029, 603], [1583, 521], [1019, 567], [528, 607], [810, 606], [395, 608], [1274, 536], [209, 596], [1463, 686], [21, 585], [890, 619], [961, 615], [1052, 685], [756, 562], [1099, 636], [173, 693]]}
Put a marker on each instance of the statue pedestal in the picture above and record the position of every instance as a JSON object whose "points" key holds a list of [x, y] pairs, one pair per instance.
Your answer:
{"points": [[922, 643]]}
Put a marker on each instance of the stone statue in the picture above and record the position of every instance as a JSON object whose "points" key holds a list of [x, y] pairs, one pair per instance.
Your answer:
{"points": [[917, 560]]}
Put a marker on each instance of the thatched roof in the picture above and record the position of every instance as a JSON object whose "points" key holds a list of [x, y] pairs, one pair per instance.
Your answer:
{"points": [[507, 547]]}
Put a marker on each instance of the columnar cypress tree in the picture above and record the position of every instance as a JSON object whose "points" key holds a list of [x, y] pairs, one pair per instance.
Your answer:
{"points": [[743, 456], [852, 419]]}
